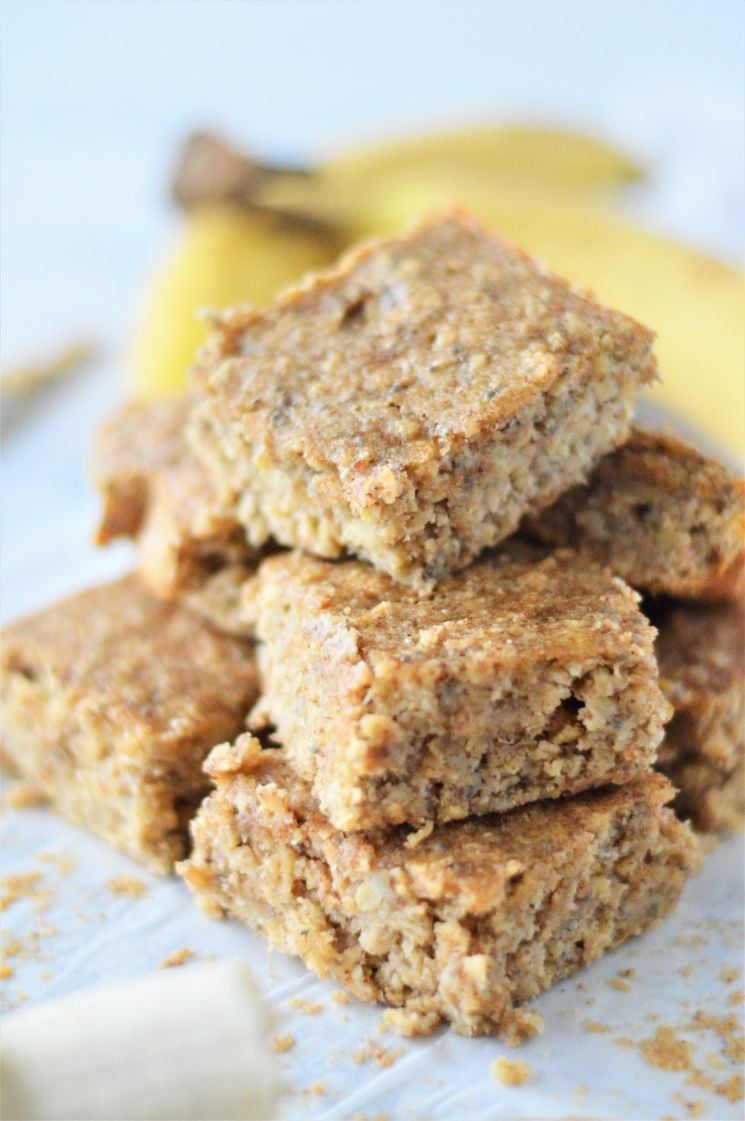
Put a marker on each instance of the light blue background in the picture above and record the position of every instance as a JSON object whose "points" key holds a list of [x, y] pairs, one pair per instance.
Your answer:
{"points": [[96, 95]]}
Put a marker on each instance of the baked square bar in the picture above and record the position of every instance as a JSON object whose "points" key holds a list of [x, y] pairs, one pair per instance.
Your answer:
{"points": [[155, 489], [474, 919], [414, 404], [701, 650], [523, 677], [661, 515], [111, 701]]}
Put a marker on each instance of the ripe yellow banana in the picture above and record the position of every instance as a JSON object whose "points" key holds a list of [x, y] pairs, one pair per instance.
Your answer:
{"points": [[225, 256], [479, 159]]}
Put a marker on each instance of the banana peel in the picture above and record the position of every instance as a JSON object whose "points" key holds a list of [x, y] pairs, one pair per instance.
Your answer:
{"points": [[226, 256], [344, 188]]}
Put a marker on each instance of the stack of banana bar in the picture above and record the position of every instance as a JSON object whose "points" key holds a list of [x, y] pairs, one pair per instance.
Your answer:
{"points": [[430, 655]]}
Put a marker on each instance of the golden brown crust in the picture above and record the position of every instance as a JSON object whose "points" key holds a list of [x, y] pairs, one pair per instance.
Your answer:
{"points": [[375, 397], [524, 677], [664, 517], [701, 650], [111, 701], [155, 489], [472, 920]]}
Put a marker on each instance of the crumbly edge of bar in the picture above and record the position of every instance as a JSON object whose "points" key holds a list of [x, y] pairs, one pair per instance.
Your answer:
{"points": [[667, 541], [712, 799], [173, 561], [420, 527], [256, 859], [703, 754], [428, 741], [217, 599], [135, 796]]}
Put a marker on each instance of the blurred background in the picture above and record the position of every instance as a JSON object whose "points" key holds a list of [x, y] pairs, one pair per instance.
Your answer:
{"points": [[98, 97]]}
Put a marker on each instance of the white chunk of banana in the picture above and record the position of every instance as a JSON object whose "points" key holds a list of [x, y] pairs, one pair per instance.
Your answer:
{"points": [[183, 1044]]}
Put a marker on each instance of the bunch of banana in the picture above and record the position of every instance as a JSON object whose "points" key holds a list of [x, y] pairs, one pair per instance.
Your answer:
{"points": [[252, 228]]}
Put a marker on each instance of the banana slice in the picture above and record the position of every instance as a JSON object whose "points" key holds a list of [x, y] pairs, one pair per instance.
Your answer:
{"points": [[184, 1044]]}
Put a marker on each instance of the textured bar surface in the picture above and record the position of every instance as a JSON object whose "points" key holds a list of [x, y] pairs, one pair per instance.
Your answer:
{"points": [[523, 677], [412, 405], [661, 515], [156, 490], [111, 701], [701, 650], [471, 921]]}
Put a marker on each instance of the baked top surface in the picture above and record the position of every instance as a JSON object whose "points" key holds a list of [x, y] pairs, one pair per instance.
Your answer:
{"points": [[132, 662], [516, 606], [408, 347], [472, 861]]}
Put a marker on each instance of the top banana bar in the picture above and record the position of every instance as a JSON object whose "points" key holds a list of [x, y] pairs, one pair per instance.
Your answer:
{"points": [[412, 405]]}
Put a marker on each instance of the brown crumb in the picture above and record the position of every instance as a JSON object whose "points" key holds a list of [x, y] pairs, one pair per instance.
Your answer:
{"points": [[666, 1051], [420, 835], [520, 1026], [62, 862], [6, 972], [24, 885], [318, 1088], [340, 997], [127, 887], [737, 996], [305, 1006], [727, 1028], [629, 974], [283, 1043], [23, 796], [596, 1026], [729, 976], [511, 1072], [686, 970], [178, 957], [375, 1052], [621, 986]]}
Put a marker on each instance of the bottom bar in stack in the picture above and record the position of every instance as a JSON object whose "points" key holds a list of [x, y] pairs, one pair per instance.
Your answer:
{"points": [[463, 922]]}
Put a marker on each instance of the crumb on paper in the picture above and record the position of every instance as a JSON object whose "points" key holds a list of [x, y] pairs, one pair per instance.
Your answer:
{"points": [[340, 997], [376, 1052], [511, 1072], [61, 862], [127, 887], [619, 985], [6, 972], [178, 957], [629, 974], [308, 1008], [596, 1026], [736, 997], [24, 885], [319, 1089], [23, 796], [23, 380], [686, 970], [666, 1051], [46, 975], [283, 1043], [729, 976]]}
